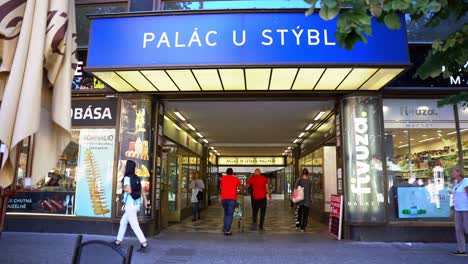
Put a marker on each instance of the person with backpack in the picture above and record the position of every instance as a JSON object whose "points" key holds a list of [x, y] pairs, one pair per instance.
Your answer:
{"points": [[197, 187], [131, 186]]}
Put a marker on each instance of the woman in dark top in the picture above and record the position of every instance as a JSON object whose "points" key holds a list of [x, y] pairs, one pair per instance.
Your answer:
{"points": [[303, 206]]}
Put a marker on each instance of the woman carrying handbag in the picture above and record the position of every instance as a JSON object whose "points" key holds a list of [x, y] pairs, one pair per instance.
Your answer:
{"points": [[301, 197]]}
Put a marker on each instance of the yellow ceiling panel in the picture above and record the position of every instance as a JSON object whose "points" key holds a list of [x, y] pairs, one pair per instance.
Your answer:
{"points": [[380, 79], [184, 80], [258, 79], [356, 78], [137, 80], [161, 80], [332, 78], [233, 79], [208, 79], [282, 78], [114, 80], [307, 78]]}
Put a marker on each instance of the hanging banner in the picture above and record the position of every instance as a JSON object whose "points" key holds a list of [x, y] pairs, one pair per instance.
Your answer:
{"points": [[336, 216], [94, 173], [251, 161], [362, 141]]}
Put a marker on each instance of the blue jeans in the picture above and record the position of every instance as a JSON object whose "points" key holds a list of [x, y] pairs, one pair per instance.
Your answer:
{"points": [[229, 207], [196, 208]]}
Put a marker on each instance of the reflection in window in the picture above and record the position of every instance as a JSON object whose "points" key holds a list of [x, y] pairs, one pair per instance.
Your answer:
{"points": [[420, 146], [236, 4]]}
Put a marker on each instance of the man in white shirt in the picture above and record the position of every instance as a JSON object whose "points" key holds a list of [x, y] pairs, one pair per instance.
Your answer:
{"points": [[460, 202], [197, 186]]}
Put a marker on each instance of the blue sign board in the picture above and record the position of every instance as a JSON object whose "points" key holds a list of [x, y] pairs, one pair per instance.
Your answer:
{"points": [[235, 39], [423, 202]]}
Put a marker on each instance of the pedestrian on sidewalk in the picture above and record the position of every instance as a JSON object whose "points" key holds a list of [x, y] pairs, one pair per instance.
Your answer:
{"points": [[228, 198], [197, 187], [131, 186], [302, 207], [260, 188], [460, 202]]}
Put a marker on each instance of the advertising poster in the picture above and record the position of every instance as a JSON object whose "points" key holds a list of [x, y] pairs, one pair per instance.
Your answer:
{"points": [[423, 202], [94, 174], [336, 216]]}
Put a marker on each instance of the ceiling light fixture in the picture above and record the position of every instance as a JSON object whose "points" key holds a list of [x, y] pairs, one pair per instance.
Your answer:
{"points": [[290, 148], [451, 133], [211, 147], [309, 127], [427, 139], [180, 116], [402, 146], [199, 134], [296, 140], [302, 134], [439, 131], [191, 127], [319, 115], [206, 141]]}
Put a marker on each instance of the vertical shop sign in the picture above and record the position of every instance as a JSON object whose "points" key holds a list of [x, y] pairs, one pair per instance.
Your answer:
{"points": [[364, 185], [95, 170], [336, 216]]}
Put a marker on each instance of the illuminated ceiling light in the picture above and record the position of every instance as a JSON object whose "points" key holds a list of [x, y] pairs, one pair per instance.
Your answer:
{"points": [[166, 118], [427, 139], [393, 135], [307, 78], [199, 134], [424, 135], [380, 79], [319, 115], [356, 78], [295, 141], [233, 79], [302, 134], [451, 133], [191, 127], [206, 141], [208, 79], [405, 131], [180, 116], [212, 148], [290, 148], [309, 127], [115, 81], [177, 127], [401, 142], [402, 146], [332, 78], [439, 131], [412, 139], [137, 80], [184, 80], [161, 80], [257, 79], [282, 78]]}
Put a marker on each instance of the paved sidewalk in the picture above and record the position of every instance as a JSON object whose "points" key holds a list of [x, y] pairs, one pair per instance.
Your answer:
{"points": [[199, 248]]}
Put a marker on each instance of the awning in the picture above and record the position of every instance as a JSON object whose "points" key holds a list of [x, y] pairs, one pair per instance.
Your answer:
{"points": [[261, 50]]}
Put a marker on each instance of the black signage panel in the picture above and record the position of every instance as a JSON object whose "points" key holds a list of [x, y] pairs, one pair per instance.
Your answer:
{"points": [[98, 113]]}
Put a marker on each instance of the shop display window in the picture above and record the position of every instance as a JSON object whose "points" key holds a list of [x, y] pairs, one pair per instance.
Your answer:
{"points": [[463, 117], [316, 175], [185, 175], [173, 171], [420, 147], [136, 145]]}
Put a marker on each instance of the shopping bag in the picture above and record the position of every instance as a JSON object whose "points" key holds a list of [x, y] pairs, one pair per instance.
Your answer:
{"points": [[298, 194]]}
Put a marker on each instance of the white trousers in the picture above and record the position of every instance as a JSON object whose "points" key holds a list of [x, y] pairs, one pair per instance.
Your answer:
{"points": [[130, 216]]}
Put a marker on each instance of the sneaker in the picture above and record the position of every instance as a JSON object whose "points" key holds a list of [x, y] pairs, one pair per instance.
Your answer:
{"points": [[118, 244], [227, 233], [302, 230], [142, 249], [459, 253]]}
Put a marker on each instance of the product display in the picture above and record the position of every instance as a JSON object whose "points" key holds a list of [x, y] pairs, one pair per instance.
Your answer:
{"points": [[95, 182]]}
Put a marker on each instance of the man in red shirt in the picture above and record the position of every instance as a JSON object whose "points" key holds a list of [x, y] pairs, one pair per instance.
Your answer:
{"points": [[229, 184], [260, 188]]}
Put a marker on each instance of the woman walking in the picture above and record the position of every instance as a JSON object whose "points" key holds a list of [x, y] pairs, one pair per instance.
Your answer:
{"points": [[197, 187], [302, 207], [131, 183], [460, 200]]}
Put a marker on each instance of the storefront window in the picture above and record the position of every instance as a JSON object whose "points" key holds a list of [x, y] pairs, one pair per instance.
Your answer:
{"points": [[173, 182], [185, 180], [316, 175], [420, 147], [463, 116], [136, 145]]}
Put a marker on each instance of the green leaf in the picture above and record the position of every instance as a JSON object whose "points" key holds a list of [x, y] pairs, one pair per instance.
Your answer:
{"points": [[392, 21], [329, 13], [376, 10], [330, 3], [310, 11]]}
